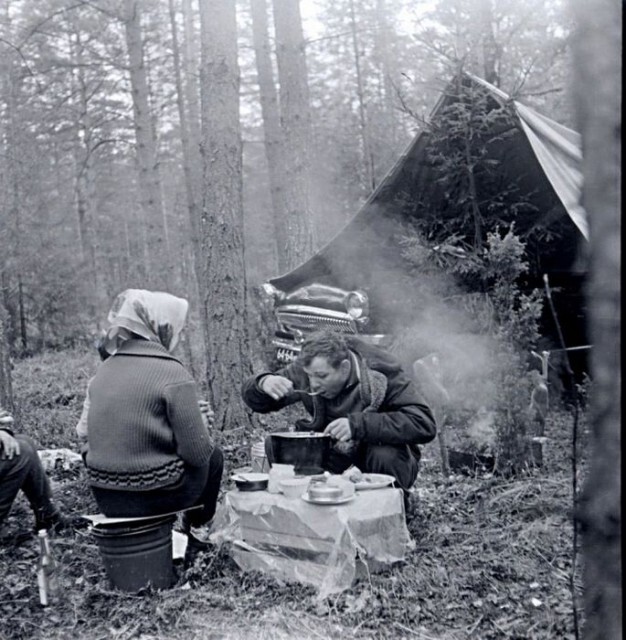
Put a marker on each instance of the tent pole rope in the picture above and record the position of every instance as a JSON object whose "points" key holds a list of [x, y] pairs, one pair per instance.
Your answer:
{"points": [[572, 382]]}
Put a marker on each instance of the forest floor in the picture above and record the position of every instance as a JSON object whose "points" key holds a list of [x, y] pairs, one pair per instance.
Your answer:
{"points": [[493, 557]]}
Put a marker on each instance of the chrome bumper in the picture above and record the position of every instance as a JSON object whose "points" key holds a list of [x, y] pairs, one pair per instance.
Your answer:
{"points": [[287, 351]]}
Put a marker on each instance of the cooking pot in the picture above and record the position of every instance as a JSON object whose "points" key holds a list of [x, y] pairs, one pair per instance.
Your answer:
{"points": [[307, 451], [251, 481]]}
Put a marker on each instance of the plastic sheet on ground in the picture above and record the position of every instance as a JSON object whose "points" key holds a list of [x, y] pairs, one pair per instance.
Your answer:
{"points": [[320, 545]]}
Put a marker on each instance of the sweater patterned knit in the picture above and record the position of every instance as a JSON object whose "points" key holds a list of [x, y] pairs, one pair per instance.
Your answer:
{"points": [[144, 424]]}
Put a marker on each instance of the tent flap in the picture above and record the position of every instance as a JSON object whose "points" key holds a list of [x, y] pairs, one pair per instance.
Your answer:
{"points": [[544, 158]]}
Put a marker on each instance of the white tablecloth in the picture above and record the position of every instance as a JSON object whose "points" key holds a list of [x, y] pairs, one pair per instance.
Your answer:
{"points": [[325, 546]]}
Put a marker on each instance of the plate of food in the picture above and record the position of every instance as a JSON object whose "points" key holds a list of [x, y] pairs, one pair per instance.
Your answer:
{"points": [[366, 481]]}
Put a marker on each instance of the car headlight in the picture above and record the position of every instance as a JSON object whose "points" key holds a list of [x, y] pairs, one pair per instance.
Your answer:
{"points": [[357, 305], [272, 292]]}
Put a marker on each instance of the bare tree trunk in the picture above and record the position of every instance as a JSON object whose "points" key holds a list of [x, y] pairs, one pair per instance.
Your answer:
{"points": [[22, 312], [12, 247], [598, 86], [368, 159], [192, 85], [384, 44], [147, 160], [188, 161], [489, 47], [6, 389], [85, 183], [190, 75], [296, 126], [192, 171], [274, 144], [223, 287]]}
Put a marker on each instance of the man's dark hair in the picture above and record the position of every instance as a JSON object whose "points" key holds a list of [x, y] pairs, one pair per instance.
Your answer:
{"points": [[327, 344]]}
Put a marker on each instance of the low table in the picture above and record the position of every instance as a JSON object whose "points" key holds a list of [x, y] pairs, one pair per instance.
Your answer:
{"points": [[321, 545]]}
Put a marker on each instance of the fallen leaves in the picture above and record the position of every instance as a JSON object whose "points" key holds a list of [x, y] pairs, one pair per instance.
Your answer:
{"points": [[492, 561]]}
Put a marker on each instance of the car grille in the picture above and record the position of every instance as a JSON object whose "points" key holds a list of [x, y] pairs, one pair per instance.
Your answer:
{"points": [[310, 322]]}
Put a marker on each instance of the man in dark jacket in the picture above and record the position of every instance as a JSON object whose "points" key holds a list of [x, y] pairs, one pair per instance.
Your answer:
{"points": [[20, 468], [362, 399]]}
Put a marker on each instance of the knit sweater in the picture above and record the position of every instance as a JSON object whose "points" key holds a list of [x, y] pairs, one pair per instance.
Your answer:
{"points": [[144, 423]]}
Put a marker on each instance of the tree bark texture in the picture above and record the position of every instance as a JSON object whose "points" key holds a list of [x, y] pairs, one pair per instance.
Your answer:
{"points": [[384, 39], [157, 274], [598, 96], [223, 286], [368, 160], [489, 46], [85, 183], [192, 85], [296, 126], [191, 156], [274, 144], [6, 390], [192, 170], [11, 215]]}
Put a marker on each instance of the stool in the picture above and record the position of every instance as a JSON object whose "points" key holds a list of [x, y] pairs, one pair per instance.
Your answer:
{"points": [[136, 552]]}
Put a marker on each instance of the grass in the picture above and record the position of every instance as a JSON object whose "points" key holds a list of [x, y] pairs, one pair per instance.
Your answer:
{"points": [[492, 560]]}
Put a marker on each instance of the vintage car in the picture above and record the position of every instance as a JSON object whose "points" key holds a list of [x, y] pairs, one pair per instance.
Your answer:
{"points": [[360, 281], [318, 306]]}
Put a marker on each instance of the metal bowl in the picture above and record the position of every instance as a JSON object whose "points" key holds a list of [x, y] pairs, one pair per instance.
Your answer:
{"points": [[294, 487], [251, 481], [323, 491]]}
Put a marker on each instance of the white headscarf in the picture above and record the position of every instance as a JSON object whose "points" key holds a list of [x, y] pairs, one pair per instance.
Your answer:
{"points": [[154, 315]]}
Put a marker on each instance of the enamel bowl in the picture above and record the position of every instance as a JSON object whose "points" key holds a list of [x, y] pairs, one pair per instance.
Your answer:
{"points": [[323, 491], [294, 487]]}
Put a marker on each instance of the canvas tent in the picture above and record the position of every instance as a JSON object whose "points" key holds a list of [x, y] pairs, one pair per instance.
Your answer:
{"points": [[539, 156], [558, 151]]}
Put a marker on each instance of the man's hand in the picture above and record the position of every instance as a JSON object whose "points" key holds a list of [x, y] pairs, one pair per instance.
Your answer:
{"points": [[276, 387], [339, 429], [9, 445]]}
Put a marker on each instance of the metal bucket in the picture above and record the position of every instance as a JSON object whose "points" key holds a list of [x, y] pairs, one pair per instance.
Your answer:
{"points": [[137, 554]]}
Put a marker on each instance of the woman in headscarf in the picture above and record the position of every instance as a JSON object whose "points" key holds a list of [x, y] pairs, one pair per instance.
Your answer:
{"points": [[149, 450]]}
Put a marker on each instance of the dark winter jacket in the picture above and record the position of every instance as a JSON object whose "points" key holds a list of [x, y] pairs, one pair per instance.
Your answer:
{"points": [[400, 416]]}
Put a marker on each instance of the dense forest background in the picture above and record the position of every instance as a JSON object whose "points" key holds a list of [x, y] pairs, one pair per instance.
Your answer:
{"points": [[105, 107], [203, 146]]}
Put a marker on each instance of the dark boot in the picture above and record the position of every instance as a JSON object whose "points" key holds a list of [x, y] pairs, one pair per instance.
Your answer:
{"points": [[195, 546], [51, 519]]}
